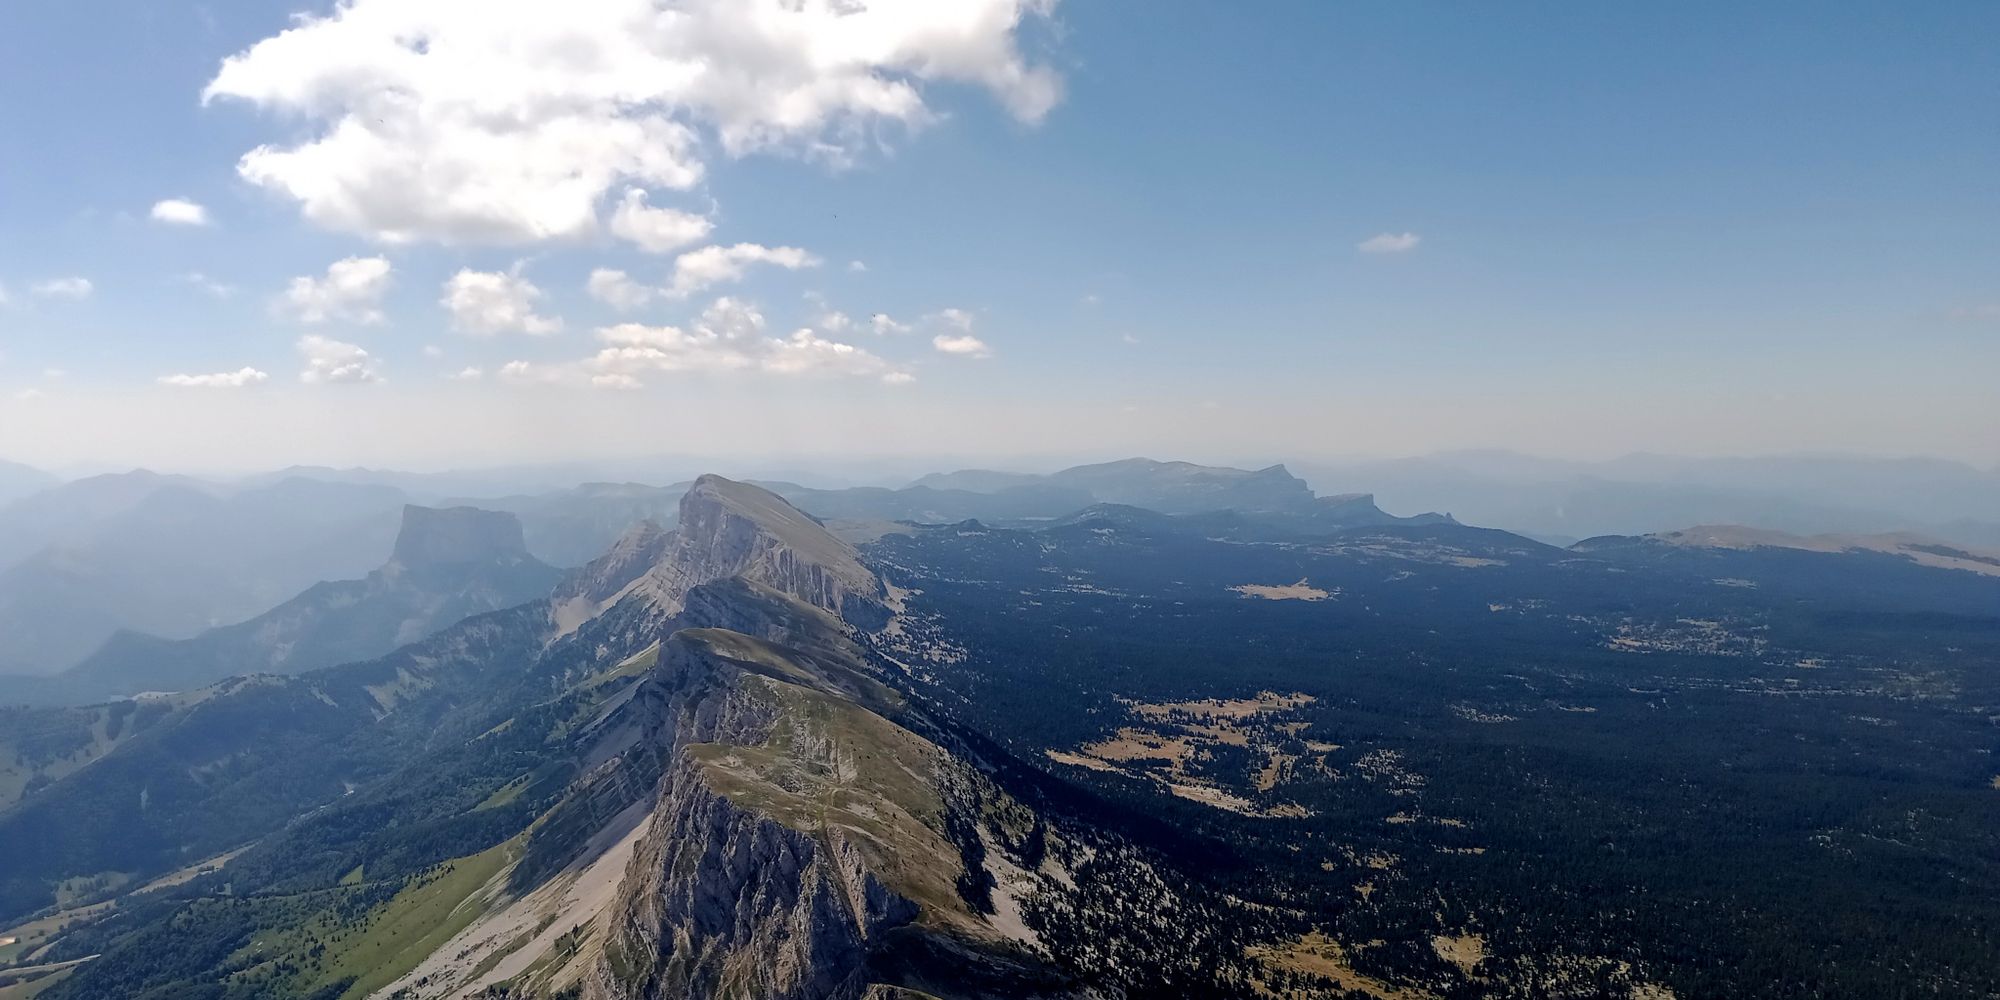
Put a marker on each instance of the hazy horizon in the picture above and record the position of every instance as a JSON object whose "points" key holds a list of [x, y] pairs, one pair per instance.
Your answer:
{"points": [[235, 435]]}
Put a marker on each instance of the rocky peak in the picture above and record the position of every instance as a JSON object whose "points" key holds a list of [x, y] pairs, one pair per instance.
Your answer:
{"points": [[434, 538], [731, 529], [590, 589]]}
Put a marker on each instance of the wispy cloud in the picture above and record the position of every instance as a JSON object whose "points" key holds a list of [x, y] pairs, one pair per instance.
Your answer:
{"points": [[63, 288], [238, 379], [1389, 243]]}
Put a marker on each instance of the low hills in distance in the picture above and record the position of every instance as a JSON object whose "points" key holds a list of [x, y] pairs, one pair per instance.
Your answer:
{"points": [[172, 556]]}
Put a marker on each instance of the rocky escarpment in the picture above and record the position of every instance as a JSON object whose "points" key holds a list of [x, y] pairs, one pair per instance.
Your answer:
{"points": [[588, 590], [730, 903], [730, 529], [804, 846], [1358, 510], [439, 538], [1182, 487], [448, 566], [798, 839]]}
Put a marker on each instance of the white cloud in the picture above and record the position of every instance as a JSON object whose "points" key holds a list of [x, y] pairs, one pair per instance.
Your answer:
{"points": [[30, 395], [883, 323], [617, 289], [1389, 243], [858, 267], [214, 288], [240, 378], [484, 303], [656, 230], [728, 336], [433, 351], [510, 120], [964, 345], [335, 361], [63, 288], [521, 371], [834, 321], [700, 269], [180, 212], [468, 374], [351, 292]]}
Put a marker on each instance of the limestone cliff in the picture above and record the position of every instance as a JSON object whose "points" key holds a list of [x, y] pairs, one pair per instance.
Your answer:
{"points": [[806, 847], [449, 565], [436, 539], [792, 832], [730, 529], [591, 588]]}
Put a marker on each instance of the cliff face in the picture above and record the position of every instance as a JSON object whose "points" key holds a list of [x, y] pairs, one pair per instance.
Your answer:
{"points": [[723, 901], [789, 836], [1183, 488], [439, 539], [448, 565], [802, 846], [588, 590], [730, 529]]}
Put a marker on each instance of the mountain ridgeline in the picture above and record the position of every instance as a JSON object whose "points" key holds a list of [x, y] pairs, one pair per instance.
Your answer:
{"points": [[447, 565], [705, 790], [1287, 746]]}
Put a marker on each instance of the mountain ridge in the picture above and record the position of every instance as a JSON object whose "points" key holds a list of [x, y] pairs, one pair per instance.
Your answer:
{"points": [[446, 565]]}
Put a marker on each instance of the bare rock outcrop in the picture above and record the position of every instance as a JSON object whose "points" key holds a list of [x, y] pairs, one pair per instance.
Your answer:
{"points": [[731, 529]]}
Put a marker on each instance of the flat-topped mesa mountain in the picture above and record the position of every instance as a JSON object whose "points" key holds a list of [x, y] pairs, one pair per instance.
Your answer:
{"points": [[1270, 494], [572, 526], [1919, 549], [171, 556], [446, 540], [1353, 510], [1183, 487], [447, 565]]}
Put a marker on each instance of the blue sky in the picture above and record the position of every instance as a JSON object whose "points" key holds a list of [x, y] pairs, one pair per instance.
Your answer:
{"points": [[1137, 227]]}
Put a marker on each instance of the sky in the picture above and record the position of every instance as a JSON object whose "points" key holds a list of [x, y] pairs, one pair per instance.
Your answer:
{"points": [[452, 233]]}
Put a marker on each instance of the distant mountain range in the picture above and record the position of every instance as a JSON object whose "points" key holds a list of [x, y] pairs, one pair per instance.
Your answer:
{"points": [[171, 556], [17, 481], [1116, 753], [448, 565], [1563, 501], [1171, 488]]}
